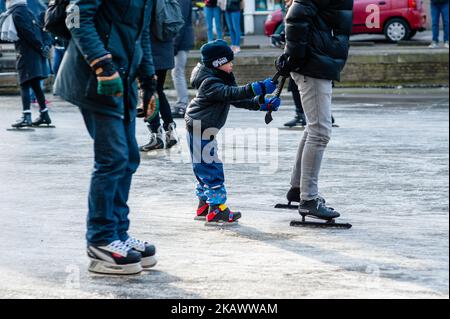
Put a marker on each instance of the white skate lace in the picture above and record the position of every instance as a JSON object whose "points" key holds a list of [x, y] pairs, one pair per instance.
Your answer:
{"points": [[136, 244], [118, 247]]}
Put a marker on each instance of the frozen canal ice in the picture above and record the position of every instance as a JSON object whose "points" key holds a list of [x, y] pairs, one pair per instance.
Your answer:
{"points": [[386, 171]]}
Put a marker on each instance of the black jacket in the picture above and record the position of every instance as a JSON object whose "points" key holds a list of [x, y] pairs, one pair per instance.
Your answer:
{"points": [[31, 64], [116, 27], [317, 36], [216, 91], [185, 38]]}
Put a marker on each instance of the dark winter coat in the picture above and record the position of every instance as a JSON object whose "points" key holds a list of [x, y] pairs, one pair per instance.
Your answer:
{"points": [[31, 64], [211, 3], [163, 54], [117, 27], [439, 1], [216, 91], [185, 39], [317, 36]]}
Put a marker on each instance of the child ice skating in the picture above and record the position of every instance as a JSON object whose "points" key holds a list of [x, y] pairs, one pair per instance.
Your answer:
{"points": [[207, 114]]}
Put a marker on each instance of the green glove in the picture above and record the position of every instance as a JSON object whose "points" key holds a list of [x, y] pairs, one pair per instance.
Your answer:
{"points": [[109, 80]]}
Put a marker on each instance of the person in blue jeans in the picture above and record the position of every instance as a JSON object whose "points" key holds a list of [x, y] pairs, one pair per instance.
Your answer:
{"points": [[213, 13], [439, 8], [233, 17], [207, 114], [99, 76]]}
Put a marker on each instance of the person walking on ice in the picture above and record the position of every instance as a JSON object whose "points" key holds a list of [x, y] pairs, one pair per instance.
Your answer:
{"points": [[207, 114]]}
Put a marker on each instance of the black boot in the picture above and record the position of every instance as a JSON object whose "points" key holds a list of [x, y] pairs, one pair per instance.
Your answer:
{"points": [[43, 119], [25, 121], [317, 209], [299, 120], [293, 195]]}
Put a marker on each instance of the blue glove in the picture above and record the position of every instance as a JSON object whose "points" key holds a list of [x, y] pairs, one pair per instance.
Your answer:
{"points": [[265, 87], [270, 104]]}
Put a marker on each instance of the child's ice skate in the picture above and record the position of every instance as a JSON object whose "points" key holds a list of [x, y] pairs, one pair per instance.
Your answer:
{"points": [[222, 216], [202, 210]]}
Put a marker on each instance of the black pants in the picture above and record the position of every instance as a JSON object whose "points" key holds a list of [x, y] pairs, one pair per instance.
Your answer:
{"points": [[164, 106], [296, 96], [35, 85]]}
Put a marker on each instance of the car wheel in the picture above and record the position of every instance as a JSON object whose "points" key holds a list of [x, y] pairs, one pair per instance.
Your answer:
{"points": [[396, 30]]}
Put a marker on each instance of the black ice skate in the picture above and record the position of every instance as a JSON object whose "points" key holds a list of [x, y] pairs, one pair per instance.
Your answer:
{"points": [[116, 258], [146, 250], [24, 123], [222, 216], [298, 120], [43, 120], [317, 209], [202, 210], [293, 196], [171, 136]]}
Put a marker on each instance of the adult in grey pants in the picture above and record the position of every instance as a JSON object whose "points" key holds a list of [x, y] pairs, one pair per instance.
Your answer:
{"points": [[317, 45], [183, 43]]}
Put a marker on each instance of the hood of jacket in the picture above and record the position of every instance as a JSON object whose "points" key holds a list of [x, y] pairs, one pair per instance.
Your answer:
{"points": [[201, 73]]}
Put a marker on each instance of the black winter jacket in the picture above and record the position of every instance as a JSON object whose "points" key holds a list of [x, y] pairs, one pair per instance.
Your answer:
{"points": [[317, 36], [216, 91], [30, 64]]}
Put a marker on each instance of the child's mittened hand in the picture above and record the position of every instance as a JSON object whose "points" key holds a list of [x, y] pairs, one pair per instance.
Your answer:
{"points": [[271, 104], [264, 87]]}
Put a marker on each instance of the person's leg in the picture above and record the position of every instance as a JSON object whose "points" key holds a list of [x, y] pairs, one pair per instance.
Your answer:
{"points": [[164, 106], [435, 17], [297, 170], [218, 18], [111, 165], [57, 59], [209, 15], [229, 21], [236, 21], [296, 96], [36, 86], [25, 95], [316, 97], [121, 208], [179, 79], [445, 13]]}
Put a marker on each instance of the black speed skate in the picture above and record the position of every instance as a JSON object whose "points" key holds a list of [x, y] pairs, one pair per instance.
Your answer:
{"points": [[24, 122], [43, 120], [293, 196], [117, 258], [222, 216], [317, 209]]}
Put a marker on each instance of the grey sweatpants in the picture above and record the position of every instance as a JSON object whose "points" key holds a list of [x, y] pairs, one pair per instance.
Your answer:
{"points": [[316, 98], [179, 79]]}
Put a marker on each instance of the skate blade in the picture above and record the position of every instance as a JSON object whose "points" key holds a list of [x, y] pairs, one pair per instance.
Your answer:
{"points": [[105, 268], [200, 218], [325, 224], [25, 129], [44, 126], [222, 224], [286, 206], [293, 128], [148, 262]]}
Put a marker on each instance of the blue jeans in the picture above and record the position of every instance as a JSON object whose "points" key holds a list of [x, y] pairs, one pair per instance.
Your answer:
{"points": [[116, 160], [436, 11], [210, 15], [57, 59], [234, 25], [209, 173]]}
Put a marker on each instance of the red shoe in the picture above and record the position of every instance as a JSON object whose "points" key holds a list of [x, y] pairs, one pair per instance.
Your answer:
{"points": [[202, 210]]}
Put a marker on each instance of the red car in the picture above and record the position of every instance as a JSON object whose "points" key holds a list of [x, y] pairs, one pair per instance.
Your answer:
{"points": [[398, 19]]}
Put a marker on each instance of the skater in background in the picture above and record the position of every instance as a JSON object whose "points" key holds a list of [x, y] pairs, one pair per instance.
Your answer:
{"points": [[233, 18], [314, 74], [213, 13], [183, 43], [98, 74], [207, 114], [162, 136], [33, 51]]}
